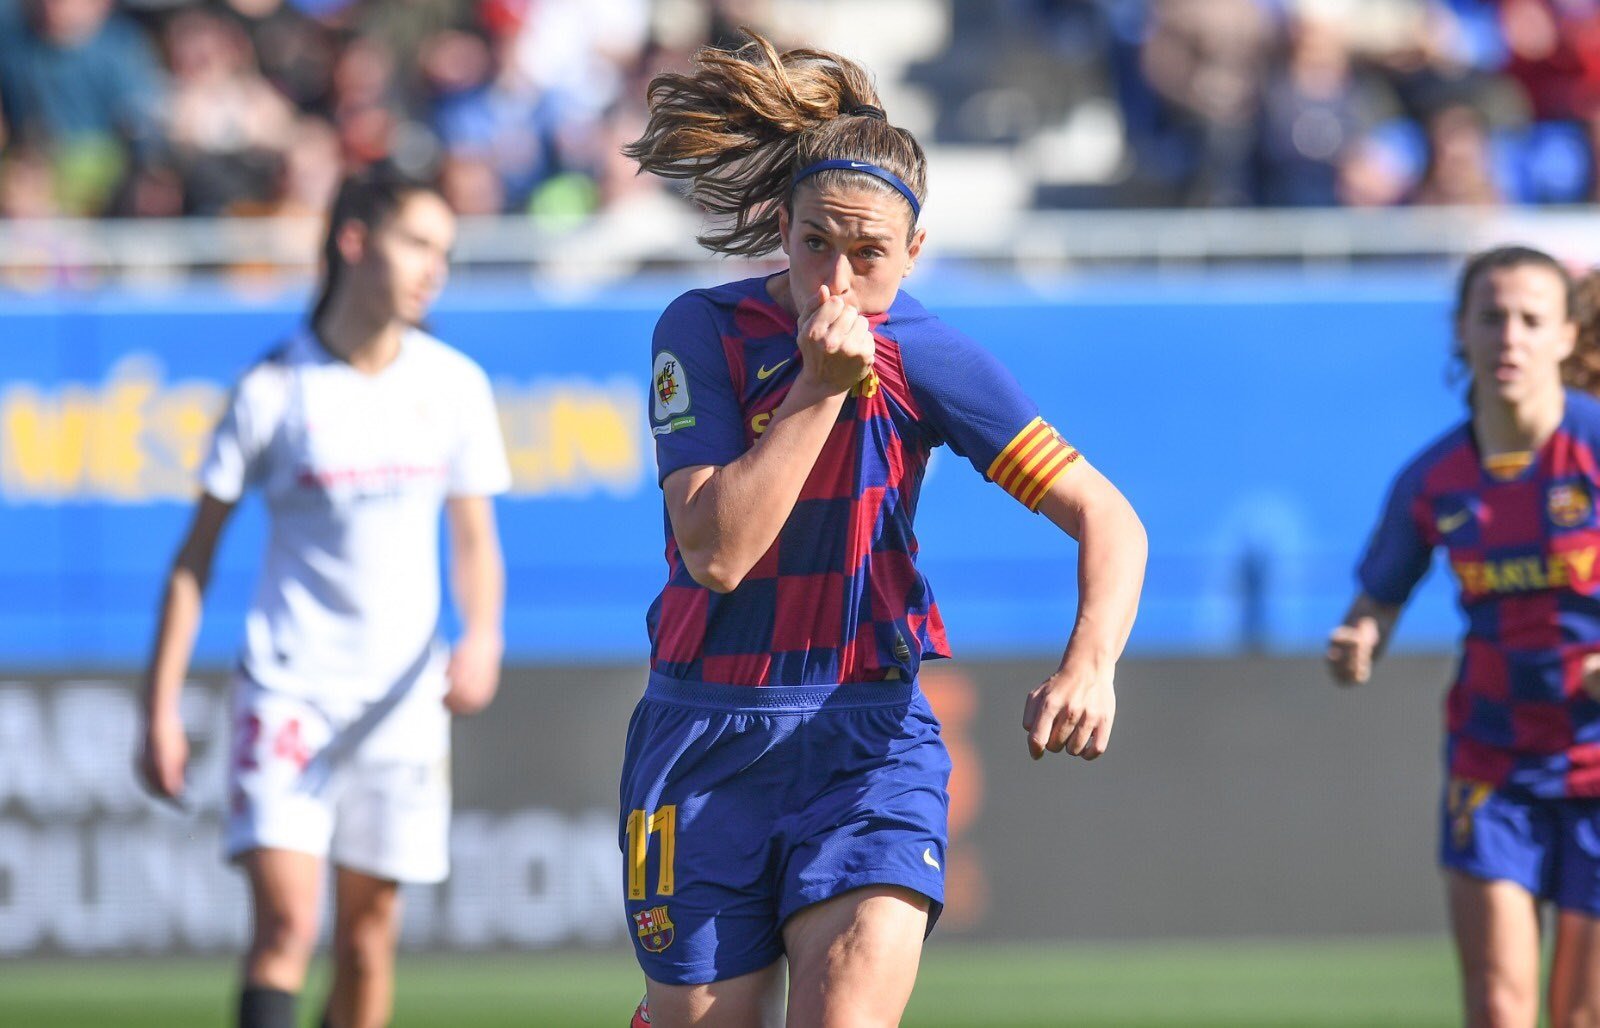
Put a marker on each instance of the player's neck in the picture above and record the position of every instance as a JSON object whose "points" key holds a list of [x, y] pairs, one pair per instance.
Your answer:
{"points": [[366, 343], [1503, 427]]}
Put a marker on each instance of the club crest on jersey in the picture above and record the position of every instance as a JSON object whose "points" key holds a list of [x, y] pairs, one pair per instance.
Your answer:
{"points": [[654, 928], [1570, 504], [669, 393]]}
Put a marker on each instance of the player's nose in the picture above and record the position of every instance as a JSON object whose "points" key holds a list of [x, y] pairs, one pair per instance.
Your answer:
{"points": [[839, 276]]}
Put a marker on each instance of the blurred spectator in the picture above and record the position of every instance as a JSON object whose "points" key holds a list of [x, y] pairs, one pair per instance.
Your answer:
{"points": [[516, 104], [27, 185], [471, 185], [1205, 61], [504, 124], [295, 53], [406, 29], [1458, 169], [225, 122], [364, 102], [78, 78], [1311, 116], [1382, 167], [1555, 54]]}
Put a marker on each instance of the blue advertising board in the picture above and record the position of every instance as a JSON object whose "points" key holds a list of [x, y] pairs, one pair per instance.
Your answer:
{"points": [[1254, 420]]}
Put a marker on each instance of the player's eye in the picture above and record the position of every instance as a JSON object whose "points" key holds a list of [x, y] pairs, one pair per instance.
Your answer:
{"points": [[815, 244]]}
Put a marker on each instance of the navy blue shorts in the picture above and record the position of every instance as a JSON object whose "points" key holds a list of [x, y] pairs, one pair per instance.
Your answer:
{"points": [[1551, 847], [740, 806]]}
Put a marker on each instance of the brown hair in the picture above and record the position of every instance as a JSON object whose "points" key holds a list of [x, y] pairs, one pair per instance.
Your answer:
{"points": [[370, 196], [1582, 369], [744, 122]]}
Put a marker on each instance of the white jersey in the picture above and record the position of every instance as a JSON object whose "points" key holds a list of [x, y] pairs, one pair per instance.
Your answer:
{"points": [[355, 469]]}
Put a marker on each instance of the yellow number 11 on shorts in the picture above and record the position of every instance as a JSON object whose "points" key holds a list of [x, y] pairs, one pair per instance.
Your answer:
{"points": [[640, 828]]}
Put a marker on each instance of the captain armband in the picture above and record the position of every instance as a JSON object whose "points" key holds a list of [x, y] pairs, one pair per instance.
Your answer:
{"points": [[1031, 462]]}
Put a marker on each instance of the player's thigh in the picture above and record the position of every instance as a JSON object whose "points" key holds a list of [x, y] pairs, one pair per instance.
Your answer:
{"points": [[1575, 964], [285, 895], [700, 827], [1575, 971], [1496, 929], [853, 958], [753, 1000], [366, 907]]}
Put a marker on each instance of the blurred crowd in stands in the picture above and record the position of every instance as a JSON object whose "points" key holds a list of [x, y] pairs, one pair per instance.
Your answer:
{"points": [[166, 108]]}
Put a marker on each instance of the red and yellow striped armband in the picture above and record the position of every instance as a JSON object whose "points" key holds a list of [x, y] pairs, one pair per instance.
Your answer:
{"points": [[1031, 462]]}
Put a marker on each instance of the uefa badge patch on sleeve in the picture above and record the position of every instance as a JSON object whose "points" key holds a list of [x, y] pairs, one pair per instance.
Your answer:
{"points": [[669, 395], [654, 928]]}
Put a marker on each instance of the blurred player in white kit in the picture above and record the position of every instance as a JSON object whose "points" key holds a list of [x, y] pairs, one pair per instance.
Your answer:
{"points": [[358, 430]]}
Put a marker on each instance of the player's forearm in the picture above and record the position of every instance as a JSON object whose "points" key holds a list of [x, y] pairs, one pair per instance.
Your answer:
{"points": [[1111, 562], [725, 526], [480, 589], [478, 575], [174, 643]]}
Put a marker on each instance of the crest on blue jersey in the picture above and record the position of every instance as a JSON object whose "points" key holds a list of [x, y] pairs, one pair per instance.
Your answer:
{"points": [[1570, 504], [654, 928]]}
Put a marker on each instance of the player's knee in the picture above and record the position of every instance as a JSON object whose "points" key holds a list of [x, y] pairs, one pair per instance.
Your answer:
{"points": [[365, 947], [1501, 1001], [285, 933]]}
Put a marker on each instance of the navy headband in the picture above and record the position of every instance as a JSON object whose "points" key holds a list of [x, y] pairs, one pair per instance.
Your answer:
{"points": [[866, 168]]}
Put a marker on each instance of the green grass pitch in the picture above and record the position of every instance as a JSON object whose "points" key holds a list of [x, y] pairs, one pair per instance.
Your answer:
{"points": [[1285, 984]]}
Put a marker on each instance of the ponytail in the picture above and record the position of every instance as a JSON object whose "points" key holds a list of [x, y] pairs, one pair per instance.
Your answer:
{"points": [[745, 122]]}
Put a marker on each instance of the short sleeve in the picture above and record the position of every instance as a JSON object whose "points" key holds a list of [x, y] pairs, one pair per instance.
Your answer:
{"points": [[478, 465], [973, 403], [694, 410], [232, 461], [1397, 556]]}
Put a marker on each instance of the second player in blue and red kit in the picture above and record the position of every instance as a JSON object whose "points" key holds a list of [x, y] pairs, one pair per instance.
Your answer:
{"points": [[732, 819], [1523, 547]]}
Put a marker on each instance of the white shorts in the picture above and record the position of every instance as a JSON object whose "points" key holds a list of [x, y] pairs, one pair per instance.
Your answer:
{"points": [[365, 785]]}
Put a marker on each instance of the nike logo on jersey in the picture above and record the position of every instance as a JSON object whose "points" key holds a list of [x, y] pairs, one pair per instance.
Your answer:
{"points": [[927, 858], [1450, 522], [763, 373]]}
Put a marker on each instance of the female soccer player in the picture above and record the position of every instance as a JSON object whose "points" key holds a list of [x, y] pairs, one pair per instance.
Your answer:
{"points": [[1510, 494], [783, 790], [358, 431]]}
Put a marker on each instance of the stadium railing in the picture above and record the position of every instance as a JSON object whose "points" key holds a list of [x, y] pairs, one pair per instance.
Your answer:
{"points": [[65, 253]]}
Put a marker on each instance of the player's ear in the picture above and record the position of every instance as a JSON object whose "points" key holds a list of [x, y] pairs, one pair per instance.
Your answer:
{"points": [[1569, 340], [917, 239], [351, 240], [783, 228]]}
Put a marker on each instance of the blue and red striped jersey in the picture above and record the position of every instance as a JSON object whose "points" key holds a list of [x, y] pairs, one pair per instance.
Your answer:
{"points": [[1523, 549], [838, 597]]}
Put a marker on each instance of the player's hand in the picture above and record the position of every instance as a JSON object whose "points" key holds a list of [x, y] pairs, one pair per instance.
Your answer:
{"points": [[1072, 710], [1591, 675], [836, 347], [1350, 650], [473, 673], [164, 756]]}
